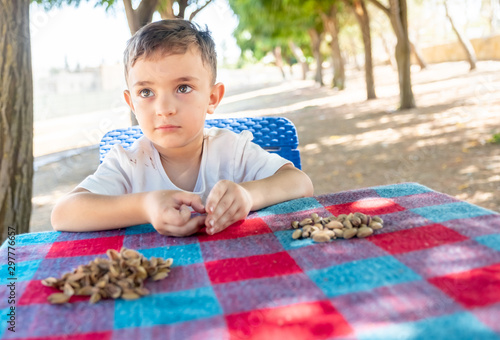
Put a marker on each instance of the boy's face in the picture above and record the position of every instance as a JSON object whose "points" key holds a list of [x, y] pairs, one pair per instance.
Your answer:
{"points": [[170, 96]]}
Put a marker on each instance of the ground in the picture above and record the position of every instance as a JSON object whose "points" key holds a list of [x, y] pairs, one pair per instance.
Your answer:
{"points": [[347, 142]]}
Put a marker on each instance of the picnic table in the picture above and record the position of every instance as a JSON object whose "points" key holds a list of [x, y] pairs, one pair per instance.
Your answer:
{"points": [[432, 272]]}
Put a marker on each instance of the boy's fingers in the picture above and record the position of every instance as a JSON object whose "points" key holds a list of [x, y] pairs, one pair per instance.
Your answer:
{"points": [[220, 210], [177, 217], [215, 196], [190, 228], [230, 216], [191, 200]]}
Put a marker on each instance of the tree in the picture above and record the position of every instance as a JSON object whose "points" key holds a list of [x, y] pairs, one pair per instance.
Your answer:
{"points": [[166, 8], [270, 27], [331, 25], [16, 117], [316, 36], [140, 16], [462, 39], [398, 16], [361, 14]]}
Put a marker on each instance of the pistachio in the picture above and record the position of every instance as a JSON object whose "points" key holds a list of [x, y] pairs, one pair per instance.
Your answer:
{"points": [[347, 224], [331, 233], [297, 234], [376, 226], [49, 282], [364, 232], [57, 298], [159, 276], [338, 232], [95, 298], [349, 233], [305, 221], [316, 228], [319, 226], [321, 236], [334, 225], [355, 221], [295, 224]]}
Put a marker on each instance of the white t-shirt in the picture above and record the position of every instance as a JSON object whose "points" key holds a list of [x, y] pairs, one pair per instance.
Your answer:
{"points": [[226, 155]]}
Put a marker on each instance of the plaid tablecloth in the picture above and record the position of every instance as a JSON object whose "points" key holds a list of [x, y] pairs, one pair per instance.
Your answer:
{"points": [[433, 272]]}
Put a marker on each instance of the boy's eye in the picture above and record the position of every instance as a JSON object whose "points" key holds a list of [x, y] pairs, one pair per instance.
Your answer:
{"points": [[146, 93], [184, 89]]}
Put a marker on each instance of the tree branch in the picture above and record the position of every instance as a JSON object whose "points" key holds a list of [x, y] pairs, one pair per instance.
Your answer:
{"points": [[192, 15], [381, 7], [129, 11], [145, 11]]}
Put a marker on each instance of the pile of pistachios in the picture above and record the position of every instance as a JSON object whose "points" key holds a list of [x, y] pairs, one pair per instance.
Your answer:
{"points": [[346, 226]]}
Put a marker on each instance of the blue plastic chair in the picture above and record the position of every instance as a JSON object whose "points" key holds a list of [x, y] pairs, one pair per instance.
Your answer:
{"points": [[274, 134]]}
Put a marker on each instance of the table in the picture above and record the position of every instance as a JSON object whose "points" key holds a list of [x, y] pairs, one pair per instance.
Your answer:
{"points": [[433, 272]]}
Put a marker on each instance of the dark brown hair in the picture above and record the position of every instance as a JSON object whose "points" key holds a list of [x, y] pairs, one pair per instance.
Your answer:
{"points": [[173, 36]]}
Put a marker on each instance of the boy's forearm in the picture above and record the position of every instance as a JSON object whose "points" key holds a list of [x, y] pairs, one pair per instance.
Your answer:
{"points": [[85, 211], [286, 184]]}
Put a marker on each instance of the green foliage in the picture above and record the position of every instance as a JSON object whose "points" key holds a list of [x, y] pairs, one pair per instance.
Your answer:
{"points": [[495, 139], [265, 24], [49, 4]]}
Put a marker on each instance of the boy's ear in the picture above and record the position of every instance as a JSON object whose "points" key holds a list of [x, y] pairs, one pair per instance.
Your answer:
{"points": [[215, 97], [128, 99]]}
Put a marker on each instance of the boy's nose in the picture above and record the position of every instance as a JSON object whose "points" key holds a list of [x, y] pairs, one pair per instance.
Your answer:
{"points": [[165, 106]]}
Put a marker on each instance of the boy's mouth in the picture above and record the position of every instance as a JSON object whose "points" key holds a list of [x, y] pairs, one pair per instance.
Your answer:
{"points": [[168, 127]]}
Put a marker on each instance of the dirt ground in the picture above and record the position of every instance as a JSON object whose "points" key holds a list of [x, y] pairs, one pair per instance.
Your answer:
{"points": [[347, 142]]}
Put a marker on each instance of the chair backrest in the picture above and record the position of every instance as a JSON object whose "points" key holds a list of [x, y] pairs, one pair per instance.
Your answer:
{"points": [[274, 134]]}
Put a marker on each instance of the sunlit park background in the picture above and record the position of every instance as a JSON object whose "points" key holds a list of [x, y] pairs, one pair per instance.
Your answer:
{"points": [[335, 68]]}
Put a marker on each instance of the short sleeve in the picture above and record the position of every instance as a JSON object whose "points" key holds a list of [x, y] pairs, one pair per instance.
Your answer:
{"points": [[252, 162], [110, 178]]}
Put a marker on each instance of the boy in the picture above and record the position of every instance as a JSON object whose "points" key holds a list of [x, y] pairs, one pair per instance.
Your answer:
{"points": [[170, 69]]}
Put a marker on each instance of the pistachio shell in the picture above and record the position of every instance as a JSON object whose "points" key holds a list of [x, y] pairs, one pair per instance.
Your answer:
{"points": [[364, 232], [334, 225], [349, 233], [57, 298], [321, 236], [297, 234]]}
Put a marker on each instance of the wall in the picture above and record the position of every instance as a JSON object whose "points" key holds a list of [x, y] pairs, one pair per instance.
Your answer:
{"points": [[486, 49]]}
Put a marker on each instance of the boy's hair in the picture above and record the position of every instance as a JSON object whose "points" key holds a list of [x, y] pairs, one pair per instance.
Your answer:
{"points": [[173, 36]]}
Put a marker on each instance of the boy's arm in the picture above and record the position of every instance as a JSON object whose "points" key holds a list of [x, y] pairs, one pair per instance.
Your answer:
{"points": [[286, 184], [167, 210], [229, 202]]}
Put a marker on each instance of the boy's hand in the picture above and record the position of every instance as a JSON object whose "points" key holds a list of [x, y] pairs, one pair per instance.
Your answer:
{"points": [[168, 212], [226, 204]]}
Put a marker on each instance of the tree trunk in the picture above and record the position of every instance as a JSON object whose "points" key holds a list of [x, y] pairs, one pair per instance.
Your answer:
{"points": [[416, 52], [464, 42], [136, 19], [403, 54], [316, 44], [16, 118], [331, 25], [165, 8], [182, 8], [354, 53], [364, 22], [390, 54], [279, 60], [299, 55], [397, 13]]}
